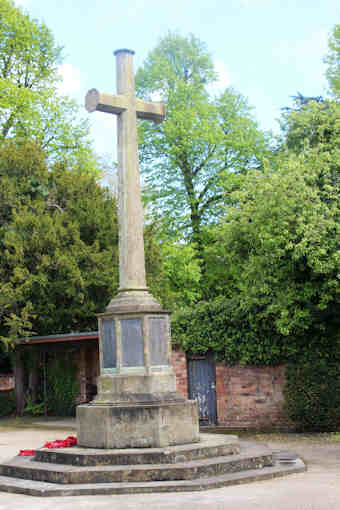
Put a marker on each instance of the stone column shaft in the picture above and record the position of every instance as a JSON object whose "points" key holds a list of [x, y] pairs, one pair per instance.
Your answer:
{"points": [[131, 242]]}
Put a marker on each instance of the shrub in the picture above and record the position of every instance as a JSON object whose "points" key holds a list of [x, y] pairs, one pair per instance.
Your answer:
{"points": [[62, 387], [312, 394], [222, 327]]}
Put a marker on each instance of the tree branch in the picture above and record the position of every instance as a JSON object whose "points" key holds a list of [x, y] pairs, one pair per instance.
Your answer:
{"points": [[205, 161], [210, 201]]}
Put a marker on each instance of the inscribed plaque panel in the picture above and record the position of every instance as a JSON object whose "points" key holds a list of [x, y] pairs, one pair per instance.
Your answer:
{"points": [[132, 343], [109, 346], [158, 340]]}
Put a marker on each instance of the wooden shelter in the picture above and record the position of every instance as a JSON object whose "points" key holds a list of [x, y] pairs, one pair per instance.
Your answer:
{"points": [[34, 356]]}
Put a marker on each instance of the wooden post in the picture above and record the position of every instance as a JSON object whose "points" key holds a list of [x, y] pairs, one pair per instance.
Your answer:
{"points": [[33, 376], [19, 374]]}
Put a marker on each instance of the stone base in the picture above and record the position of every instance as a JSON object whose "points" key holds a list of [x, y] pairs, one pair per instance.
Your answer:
{"points": [[137, 389], [152, 425], [135, 301], [215, 461]]}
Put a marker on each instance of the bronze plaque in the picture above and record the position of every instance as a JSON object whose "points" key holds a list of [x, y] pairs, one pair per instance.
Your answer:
{"points": [[109, 344], [132, 343], [158, 340]]}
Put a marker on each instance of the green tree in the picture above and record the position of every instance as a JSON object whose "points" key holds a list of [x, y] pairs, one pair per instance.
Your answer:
{"points": [[281, 247], [173, 271], [189, 161], [30, 105], [333, 61], [59, 246], [58, 240]]}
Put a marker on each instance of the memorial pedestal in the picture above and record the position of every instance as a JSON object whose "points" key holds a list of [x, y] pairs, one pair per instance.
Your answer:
{"points": [[136, 425], [137, 405]]}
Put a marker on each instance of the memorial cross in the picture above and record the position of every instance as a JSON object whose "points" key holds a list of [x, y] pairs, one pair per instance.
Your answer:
{"points": [[130, 215]]}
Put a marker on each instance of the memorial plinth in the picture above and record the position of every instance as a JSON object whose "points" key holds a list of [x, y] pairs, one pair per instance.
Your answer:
{"points": [[137, 404]]}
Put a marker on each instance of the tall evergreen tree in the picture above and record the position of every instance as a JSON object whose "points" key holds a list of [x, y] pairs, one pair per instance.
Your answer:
{"points": [[58, 241]]}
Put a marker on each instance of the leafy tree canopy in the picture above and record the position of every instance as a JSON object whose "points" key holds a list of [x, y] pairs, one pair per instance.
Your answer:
{"points": [[313, 122], [281, 245], [333, 61], [189, 161], [59, 264], [30, 104], [59, 248], [276, 264]]}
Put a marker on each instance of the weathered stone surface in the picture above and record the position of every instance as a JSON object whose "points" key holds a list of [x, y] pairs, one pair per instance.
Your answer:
{"points": [[254, 463], [130, 215], [55, 473], [137, 406], [210, 445], [137, 425], [118, 388]]}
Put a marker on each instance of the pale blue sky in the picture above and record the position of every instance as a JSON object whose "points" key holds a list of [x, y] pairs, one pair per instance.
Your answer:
{"points": [[266, 49]]}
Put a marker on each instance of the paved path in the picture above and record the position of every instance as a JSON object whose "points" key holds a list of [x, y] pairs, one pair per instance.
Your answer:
{"points": [[318, 489]]}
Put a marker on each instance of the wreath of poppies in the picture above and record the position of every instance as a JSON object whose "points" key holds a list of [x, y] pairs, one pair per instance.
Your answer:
{"points": [[58, 443]]}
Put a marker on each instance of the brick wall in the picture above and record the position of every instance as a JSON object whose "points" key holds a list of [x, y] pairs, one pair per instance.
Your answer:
{"points": [[247, 397], [179, 364], [6, 382], [250, 396]]}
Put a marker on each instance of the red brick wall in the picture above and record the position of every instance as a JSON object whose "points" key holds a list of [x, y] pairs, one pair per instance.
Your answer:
{"points": [[250, 396], [247, 397], [179, 364], [6, 382]]}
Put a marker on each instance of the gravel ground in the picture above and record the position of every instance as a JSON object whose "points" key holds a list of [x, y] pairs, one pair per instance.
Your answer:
{"points": [[318, 489]]}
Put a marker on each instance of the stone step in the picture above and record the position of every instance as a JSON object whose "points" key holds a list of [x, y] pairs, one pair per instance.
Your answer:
{"points": [[252, 457], [210, 445], [36, 488]]}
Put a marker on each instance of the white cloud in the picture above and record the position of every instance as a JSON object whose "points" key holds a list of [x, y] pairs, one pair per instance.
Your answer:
{"points": [[70, 76], [104, 133], [223, 78], [22, 3], [156, 97]]}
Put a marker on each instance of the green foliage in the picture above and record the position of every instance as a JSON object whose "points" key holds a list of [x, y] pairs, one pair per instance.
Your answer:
{"points": [[173, 272], [191, 160], [221, 326], [62, 386], [7, 404], [30, 104], [59, 263], [5, 359], [314, 124], [333, 61], [280, 246], [312, 394], [34, 408], [275, 257]]}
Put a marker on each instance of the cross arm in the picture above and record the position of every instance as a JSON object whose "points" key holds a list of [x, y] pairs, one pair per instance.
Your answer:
{"points": [[150, 111], [97, 101]]}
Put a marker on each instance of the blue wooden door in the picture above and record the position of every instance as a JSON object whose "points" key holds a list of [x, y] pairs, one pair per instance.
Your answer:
{"points": [[202, 387]]}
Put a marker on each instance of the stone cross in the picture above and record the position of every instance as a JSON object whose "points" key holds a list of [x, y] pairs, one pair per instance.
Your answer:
{"points": [[137, 405], [130, 214]]}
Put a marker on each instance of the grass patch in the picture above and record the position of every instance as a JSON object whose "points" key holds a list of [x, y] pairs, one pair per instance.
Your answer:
{"points": [[336, 437]]}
